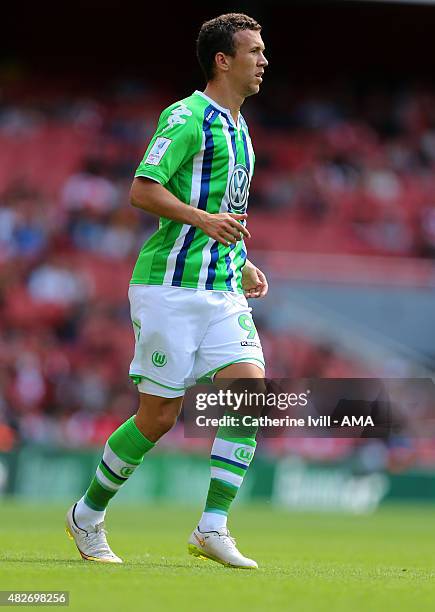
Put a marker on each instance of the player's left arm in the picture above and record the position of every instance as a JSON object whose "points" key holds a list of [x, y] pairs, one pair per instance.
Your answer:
{"points": [[254, 281]]}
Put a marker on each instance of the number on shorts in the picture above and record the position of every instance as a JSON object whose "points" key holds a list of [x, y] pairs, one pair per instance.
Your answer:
{"points": [[246, 323]]}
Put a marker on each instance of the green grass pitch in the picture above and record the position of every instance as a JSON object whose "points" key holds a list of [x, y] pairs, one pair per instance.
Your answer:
{"points": [[308, 561]]}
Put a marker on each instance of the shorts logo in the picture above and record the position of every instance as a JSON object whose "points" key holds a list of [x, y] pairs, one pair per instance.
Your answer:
{"points": [[248, 343], [238, 189], [126, 471], [244, 454], [159, 359]]}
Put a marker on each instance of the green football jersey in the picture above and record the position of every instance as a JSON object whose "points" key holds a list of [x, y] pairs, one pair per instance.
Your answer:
{"points": [[203, 158]]}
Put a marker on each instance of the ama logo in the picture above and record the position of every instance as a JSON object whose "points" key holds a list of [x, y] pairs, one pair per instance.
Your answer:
{"points": [[239, 189]]}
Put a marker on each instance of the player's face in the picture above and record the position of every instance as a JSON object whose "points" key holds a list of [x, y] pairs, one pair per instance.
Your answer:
{"points": [[247, 66]]}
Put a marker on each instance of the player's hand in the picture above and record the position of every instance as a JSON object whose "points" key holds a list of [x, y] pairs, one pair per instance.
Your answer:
{"points": [[224, 227], [254, 282]]}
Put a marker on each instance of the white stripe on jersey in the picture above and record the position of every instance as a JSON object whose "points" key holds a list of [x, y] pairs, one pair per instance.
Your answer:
{"points": [[206, 252], [194, 200], [250, 155], [225, 199], [206, 258], [231, 162], [251, 166]]}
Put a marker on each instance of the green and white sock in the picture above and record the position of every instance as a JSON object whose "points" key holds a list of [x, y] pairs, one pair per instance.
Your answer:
{"points": [[230, 459], [123, 453]]}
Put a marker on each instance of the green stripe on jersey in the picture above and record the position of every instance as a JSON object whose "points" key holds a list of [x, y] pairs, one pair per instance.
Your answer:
{"points": [[202, 158]]}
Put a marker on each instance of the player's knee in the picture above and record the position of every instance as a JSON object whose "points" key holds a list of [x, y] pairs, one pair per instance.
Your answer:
{"points": [[156, 416], [166, 419]]}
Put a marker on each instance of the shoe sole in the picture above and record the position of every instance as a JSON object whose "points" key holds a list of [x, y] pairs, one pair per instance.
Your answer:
{"points": [[84, 556], [200, 554]]}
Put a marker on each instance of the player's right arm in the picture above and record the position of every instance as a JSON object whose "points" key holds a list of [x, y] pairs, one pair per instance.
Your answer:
{"points": [[175, 141], [155, 199]]}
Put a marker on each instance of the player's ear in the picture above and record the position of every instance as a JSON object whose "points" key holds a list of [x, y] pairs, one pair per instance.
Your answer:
{"points": [[221, 61]]}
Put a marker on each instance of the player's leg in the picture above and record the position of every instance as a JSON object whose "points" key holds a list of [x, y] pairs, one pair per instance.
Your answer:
{"points": [[160, 365], [232, 351], [231, 453], [123, 453], [157, 415]]}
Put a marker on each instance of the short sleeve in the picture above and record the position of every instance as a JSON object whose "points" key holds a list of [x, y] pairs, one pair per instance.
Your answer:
{"points": [[177, 138]]}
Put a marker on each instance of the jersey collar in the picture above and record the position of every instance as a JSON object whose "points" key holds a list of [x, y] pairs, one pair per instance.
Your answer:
{"points": [[226, 111]]}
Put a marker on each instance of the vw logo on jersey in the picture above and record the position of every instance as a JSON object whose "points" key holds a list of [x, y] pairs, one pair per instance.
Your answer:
{"points": [[239, 187]]}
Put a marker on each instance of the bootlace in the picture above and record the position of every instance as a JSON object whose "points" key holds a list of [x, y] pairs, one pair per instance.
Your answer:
{"points": [[226, 538], [97, 540]]}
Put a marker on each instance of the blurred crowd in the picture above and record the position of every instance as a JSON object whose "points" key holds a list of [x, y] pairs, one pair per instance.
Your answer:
{"points": [[356, 170], [353, 170]]}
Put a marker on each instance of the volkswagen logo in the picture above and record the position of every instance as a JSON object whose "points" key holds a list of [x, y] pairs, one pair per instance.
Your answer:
{"points": [[239, 187]]}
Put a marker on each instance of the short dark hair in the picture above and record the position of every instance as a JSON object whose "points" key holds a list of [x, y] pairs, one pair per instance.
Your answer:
{"points": [[218, 35]]}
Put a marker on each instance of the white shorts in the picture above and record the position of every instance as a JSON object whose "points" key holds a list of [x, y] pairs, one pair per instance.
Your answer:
{"points": [[183, 335]]}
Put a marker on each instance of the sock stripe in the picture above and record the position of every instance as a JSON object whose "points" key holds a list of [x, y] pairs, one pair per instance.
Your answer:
{"points": [[122, 478], [243, 441], [231, 468], [226, 485], [123, 453], [226, 477], [233, 451], [117, 460], [230, 462], [111, 475], [105, 482]]}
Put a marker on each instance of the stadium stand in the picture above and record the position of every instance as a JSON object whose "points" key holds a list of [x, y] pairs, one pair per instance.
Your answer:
{"points": [[356, 173]]}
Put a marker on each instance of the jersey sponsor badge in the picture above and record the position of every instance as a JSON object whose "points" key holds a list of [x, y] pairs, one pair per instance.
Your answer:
{"points": [[158, 149], [238, 189]]}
